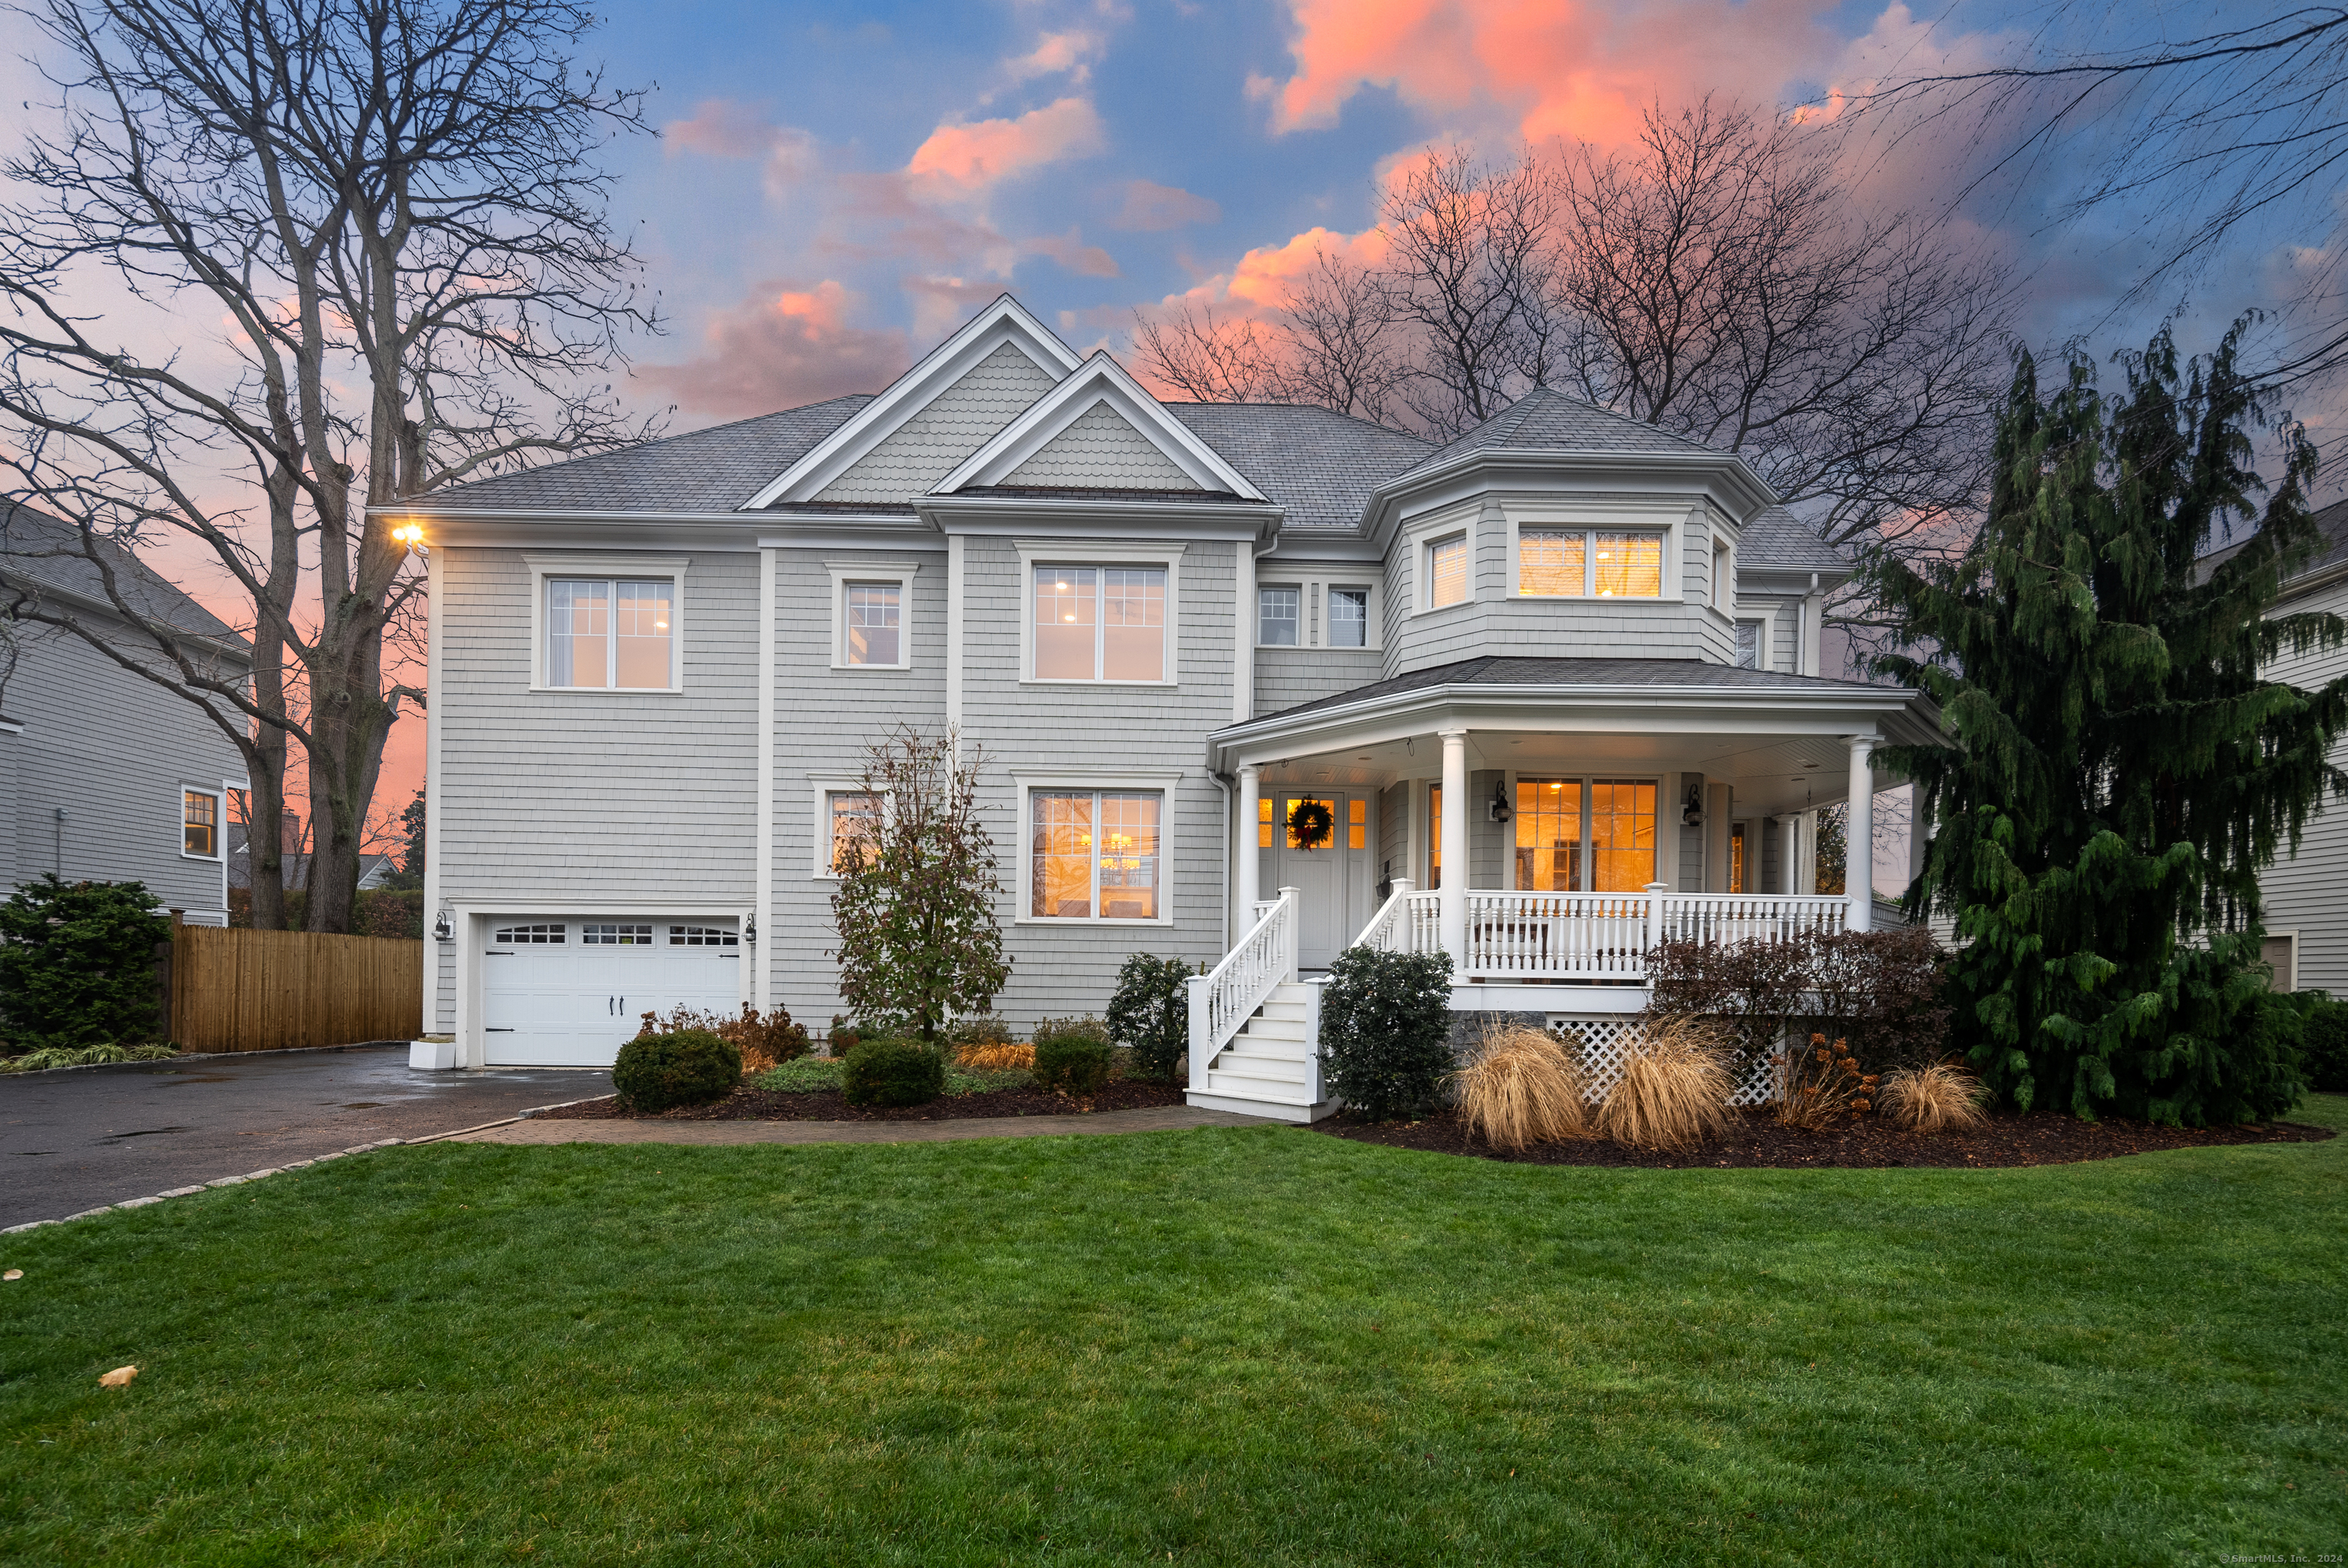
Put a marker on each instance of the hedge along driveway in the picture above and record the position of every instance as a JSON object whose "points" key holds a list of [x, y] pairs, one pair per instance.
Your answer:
{"points": [[1230, 1345]]}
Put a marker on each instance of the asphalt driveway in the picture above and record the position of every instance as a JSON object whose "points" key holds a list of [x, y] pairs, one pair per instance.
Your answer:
{"points": [[74, 1141]]}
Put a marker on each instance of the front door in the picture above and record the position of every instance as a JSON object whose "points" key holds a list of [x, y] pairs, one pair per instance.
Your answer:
{"points": [[1320, 842]]}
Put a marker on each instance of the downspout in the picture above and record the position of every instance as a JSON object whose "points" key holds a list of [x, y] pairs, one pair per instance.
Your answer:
{"points": [[1230, 836]]}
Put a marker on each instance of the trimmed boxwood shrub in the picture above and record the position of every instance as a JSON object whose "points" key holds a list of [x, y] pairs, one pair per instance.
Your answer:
{"points": [[1072, 1056], [1385, 1030], [889, 1071], [683, 1067]]}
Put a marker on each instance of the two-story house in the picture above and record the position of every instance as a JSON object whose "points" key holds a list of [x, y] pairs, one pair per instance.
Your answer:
{"points": [[1535, 697], [103, 775]]}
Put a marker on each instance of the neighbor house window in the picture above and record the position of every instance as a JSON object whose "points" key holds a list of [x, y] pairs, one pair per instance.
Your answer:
{"points": [[611, 634], [199, 812], [1279, 617], [876, 623], [1447, 572], [1095, 855], [1349, 618], [1577, 563], [1748, 645], [1100, 623], [853, 820]]}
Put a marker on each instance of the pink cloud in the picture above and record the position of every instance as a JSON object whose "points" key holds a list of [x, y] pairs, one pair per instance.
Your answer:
{"points": [[969, 158], [1149, 207], [721, 128], [1071, 251], [783, 347], [1057, 53]]}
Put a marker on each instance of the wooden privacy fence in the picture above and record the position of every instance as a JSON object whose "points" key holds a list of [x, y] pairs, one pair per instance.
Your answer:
{"points": [[270, 990]]}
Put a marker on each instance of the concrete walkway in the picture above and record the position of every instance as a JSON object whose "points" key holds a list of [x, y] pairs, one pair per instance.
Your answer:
{"points": [[1152, 1119]]}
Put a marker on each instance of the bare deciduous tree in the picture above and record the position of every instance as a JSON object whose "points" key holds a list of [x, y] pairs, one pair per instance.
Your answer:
{"points": [[392, 205], [1337, 346]]}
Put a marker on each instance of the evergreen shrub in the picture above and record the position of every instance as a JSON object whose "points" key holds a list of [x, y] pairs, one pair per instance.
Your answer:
{"points": [[2323, 1045], [1072, 1056], [1151, 1013], [893, 1072], [77, 964], [684, 1067], [1385, 1030]]}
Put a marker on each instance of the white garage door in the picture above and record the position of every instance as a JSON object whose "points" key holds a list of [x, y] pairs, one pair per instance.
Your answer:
{"points": [[570, 993]]}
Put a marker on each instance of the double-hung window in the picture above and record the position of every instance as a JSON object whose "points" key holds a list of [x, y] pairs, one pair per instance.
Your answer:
{"points": [[611, 634], [876, 623], [1279, 617], [1349, 618], [1447, 572], [1100, 623], [1095, 855], [1588, 563], [852, 820], [200, 822], [1748, 645]]}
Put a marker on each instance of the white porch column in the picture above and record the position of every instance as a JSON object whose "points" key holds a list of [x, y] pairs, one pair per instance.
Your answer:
{"points": [[1250, 866], [1858, 841], [1792, 822], [1452, 898]]}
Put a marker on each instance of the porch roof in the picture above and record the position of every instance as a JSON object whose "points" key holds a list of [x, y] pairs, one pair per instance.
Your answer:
{"points": [[1505, 692]]}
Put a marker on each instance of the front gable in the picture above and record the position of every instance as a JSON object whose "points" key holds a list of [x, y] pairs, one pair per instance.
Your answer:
{"points": [[1098, 430], [931, 417]]}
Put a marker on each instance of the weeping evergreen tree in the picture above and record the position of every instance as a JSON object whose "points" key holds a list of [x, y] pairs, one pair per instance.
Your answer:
{"points": [[2118, 770]]}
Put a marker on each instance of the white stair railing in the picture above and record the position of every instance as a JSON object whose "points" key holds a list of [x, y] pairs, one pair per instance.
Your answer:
{"points": [[1222, 1000], [1388, 930]]}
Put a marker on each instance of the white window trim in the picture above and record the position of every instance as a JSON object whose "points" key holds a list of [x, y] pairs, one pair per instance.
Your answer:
{"points": [[1034, 553], [218, 790], [1112, 781], [612, 567], [2288, 982], [1421, 536], [1313, 609], [1303, 590], [822, 787], [871, 574], [1766, 614]]}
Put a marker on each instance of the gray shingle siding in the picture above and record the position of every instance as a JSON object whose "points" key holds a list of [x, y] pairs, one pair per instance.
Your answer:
{"points": [[1101, 448], [2302, 890], [955, 424]]}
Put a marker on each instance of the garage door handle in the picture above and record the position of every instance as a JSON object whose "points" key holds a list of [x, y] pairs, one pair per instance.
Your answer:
{"points": [[492, 1028]]}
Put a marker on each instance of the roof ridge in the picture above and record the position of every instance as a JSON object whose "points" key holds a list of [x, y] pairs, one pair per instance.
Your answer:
{"points": [[1316, 407]]}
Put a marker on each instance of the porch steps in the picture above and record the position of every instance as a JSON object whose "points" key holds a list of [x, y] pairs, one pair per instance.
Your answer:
{"points": [[1266, 1067]]}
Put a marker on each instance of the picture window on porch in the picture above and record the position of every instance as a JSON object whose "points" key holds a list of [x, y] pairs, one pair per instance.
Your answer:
{"points": [[1446, 571], [1349, 618], [1578, 834], [1100, 623], [1095, 855], [1279, 619], [1575, 563], [611, 635]]}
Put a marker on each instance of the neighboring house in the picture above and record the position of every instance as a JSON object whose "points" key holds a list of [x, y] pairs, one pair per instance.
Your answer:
{"points": [[2307, 919], [293, 865], [1549, 670], [103, 775]]}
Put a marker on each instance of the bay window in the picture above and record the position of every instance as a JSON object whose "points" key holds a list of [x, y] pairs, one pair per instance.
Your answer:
{"points": [[1588, 563], [1447, 572], [1100, 623], [1095, 855]]}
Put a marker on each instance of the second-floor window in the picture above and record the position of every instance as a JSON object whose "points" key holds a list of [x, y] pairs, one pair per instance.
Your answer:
{"points": [[1349, 618], [199, 814], [1748, 645], [876, 623], [1279, 617], [1584, 563], [1447, 572], [1100, 623], [611, 634]]}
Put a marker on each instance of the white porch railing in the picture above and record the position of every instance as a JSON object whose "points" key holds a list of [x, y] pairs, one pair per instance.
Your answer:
{"points": [[1590, 936], [1225, 999]]}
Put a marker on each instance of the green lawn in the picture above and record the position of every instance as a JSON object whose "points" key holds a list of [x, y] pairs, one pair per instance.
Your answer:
{"points": [[1258, 1345]]}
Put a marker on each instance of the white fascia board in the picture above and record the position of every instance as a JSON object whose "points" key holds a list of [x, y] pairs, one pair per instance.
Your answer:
{"points": [[1319, 547], [1099, 380], [1151, 520], [1723, 479], [1005, 321], [1899, 715]]}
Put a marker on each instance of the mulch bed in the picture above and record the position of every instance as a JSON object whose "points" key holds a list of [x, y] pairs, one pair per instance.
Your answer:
{"points": [[1862, 1142], [748, 1105]]}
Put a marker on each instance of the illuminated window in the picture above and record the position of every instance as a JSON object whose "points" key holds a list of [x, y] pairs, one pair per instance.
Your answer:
{"points": [[1279, 617], [1094, 855], [853, 817], [1740, 877], [1100, 623], [200, 823], [876, 630], [1622, 835], [1265, 808], [1549, 835], [1447, 572], [1311, 823], [1434, 835], [1593, 834], [611, 635], [1357, 824], [1551, 564], [1628, 566]]}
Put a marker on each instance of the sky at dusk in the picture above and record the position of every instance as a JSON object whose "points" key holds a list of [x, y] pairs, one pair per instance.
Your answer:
{"points": [[833, 189]]}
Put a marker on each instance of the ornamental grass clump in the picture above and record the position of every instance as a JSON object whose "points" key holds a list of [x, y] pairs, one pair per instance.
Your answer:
{"points": [[1822, 1084], [997, 1056], [657, 1073], [1939, 1098], [1673, 1091], [1523, 1086]]}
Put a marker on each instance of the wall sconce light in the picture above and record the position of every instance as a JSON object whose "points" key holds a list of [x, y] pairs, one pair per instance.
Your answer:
{"points": [[750, 930], [1692, 816], [1497, 809], [443, 928]]}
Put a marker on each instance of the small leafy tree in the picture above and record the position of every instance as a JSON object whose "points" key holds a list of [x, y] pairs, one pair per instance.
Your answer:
{"points": [[1151, 1013], [2116, 770], [1385, 1030], [915, 909], [77, 964]]}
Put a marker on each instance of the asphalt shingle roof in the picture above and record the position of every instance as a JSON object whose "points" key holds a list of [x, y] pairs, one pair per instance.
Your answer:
{"points": [[1319, 464], [47, 551], [713, 470], [2331, 522], [1500, 670], [1547, 420], [1774, 536]]}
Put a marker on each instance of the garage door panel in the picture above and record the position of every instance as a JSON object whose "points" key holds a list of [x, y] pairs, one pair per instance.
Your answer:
{"points": [[566, 1003]]}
